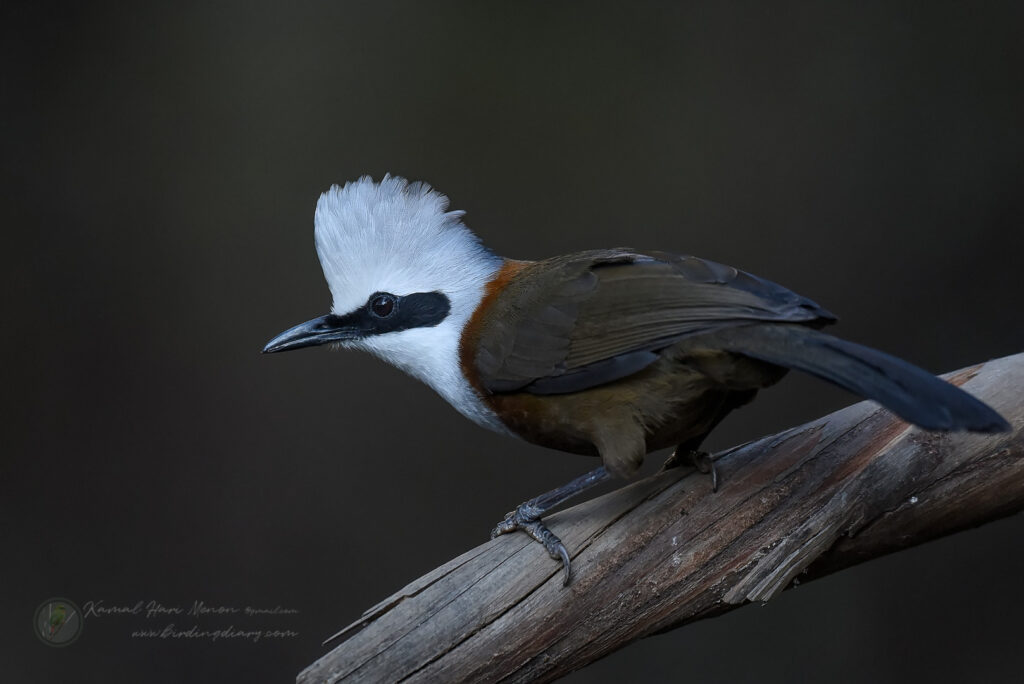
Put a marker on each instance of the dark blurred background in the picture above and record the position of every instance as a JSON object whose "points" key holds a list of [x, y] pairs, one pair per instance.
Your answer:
{"points": [[160, 167]]}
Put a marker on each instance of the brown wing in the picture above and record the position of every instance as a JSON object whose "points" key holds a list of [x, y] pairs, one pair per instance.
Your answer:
{"points": [[586, 319]]}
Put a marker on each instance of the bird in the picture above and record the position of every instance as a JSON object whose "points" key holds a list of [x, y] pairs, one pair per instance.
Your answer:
{"points": [[613, 353]]}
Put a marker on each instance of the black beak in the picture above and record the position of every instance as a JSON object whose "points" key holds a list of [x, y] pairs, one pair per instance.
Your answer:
{"points": [[312, 333]]}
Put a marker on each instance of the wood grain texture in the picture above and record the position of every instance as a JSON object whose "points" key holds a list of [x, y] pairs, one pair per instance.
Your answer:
{"points": [[665, 551]]}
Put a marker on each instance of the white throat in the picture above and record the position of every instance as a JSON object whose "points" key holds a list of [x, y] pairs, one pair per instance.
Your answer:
{"points": [[432, 356]]}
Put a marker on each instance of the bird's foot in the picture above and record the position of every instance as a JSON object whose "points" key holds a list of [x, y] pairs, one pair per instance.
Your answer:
{"points": [[701, 460], [526, 517]]}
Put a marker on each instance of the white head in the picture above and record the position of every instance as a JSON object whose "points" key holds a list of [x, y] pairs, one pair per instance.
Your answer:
{"points": [[406, 275], [398, 237]]}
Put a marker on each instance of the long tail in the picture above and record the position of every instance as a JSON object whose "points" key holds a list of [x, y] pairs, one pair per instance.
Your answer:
{"points": [[908, 391]]}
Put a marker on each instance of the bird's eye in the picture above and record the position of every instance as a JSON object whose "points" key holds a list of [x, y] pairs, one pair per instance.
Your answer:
{"points": [[382, 305]]}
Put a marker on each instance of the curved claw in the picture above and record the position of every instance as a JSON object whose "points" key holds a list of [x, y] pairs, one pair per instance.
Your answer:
{"points": [[702, 461], [564, 553], [509, 524]]}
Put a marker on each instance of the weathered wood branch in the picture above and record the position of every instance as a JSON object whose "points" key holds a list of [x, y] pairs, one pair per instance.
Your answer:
{"points": [[663, 552]]}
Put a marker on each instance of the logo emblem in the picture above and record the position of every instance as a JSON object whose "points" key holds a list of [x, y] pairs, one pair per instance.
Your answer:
{"points": [[58, 622]]}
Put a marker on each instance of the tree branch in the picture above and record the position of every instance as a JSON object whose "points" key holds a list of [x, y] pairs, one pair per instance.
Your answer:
{"points": [[665, 551]]}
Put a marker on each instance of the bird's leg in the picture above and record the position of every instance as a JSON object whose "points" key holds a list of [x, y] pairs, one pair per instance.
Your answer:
{"points": [[701, 460], [526, 516]]}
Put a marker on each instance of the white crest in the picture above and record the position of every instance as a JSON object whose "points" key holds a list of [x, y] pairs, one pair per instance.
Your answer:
{"points": [[399, 237]]}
